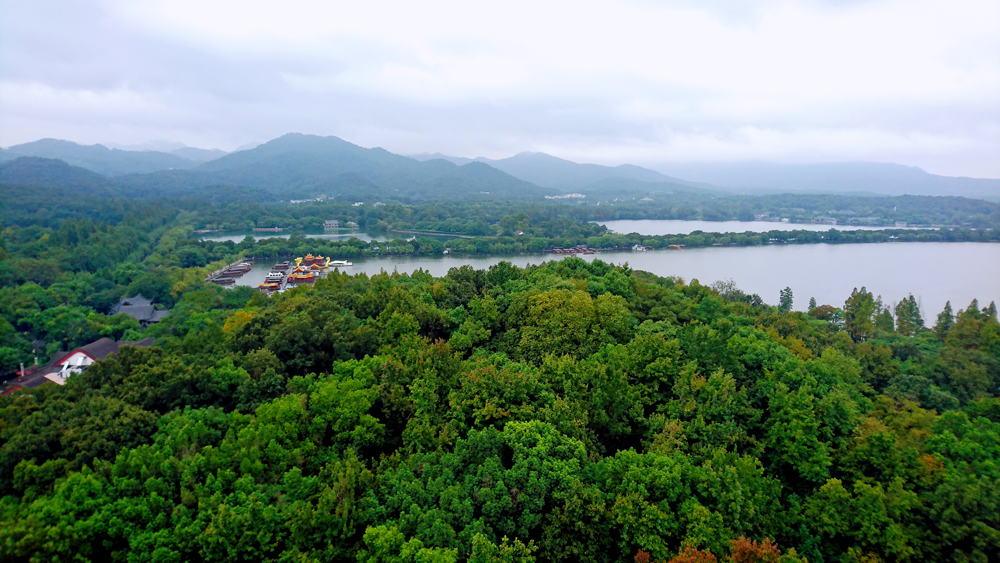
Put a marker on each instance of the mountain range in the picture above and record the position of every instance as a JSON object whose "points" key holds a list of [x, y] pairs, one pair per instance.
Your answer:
{"points": [[291, 166], [842, 177], [302, 166]]}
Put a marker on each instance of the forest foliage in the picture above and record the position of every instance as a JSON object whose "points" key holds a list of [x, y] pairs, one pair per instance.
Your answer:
{"points": [[568, 411]]}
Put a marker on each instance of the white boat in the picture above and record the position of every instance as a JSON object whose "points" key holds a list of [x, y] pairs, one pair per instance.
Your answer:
{"points": [[340, 263], [275, 276], [640, 248]]}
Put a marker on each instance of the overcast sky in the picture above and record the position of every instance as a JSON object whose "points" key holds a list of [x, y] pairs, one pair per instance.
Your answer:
{"points": [[914, 82]]}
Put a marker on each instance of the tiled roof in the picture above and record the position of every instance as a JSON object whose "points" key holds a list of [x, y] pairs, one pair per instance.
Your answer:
{"points": [[97, 350]]}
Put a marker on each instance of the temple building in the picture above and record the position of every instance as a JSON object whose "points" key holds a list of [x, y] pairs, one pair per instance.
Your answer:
{"points": [[140, 309]]}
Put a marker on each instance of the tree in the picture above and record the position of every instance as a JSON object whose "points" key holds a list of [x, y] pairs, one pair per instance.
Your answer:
{"points": [[859, 314], [908, 319], [785, 301], [883, 321], [991, 311], [812, 303], [945, 320]]}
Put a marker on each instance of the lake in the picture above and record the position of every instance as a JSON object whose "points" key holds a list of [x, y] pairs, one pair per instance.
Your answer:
{"points": [[933, 272], [677, 227]]}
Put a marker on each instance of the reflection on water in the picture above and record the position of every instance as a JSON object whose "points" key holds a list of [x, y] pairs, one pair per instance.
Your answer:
{"points": [[651, 227]]}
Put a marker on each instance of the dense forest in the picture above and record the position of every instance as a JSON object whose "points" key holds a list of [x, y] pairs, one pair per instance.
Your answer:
{"points": [[566, 412], [570, 411], [65, 259]]}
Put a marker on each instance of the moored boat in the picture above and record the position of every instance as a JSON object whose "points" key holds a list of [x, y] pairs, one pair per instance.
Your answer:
{"points": [[339, 263]]}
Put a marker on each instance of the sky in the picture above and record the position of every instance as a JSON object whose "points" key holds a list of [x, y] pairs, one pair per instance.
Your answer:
{"points": [[913, 82]]}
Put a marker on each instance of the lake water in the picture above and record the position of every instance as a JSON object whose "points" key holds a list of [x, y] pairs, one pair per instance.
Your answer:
{"points": [[932, 272], [677, 227]]}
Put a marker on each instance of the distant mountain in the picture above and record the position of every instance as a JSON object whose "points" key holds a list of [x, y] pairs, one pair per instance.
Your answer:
{"points": [[199, 155], [834, 178], [32, 173], [293, 166], [98, 158], [425, 156], [52, 173], [330, 164], [553, 172]]}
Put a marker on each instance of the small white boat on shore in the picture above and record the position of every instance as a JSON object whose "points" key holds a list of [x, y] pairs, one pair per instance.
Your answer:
{"points": [[339, 263]]}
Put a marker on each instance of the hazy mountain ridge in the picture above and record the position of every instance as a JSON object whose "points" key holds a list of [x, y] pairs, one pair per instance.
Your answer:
{"points": [[558, 173], [554, 172], [297, 160], [57, 174], [843, 177], [199, 155], [297, 165], [293, 166], [98, 158]]}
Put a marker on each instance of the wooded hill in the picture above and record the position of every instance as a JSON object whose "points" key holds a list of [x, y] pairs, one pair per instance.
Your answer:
{"points": [[571, 411], [291, 167]]}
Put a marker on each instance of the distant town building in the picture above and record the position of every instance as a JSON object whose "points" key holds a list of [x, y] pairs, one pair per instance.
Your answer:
{"points": [[140, 309], [352, 225], [331, 225], [900, 223], [67, 364]]}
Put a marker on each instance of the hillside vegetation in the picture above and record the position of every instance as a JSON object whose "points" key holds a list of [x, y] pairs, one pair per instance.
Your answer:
{"points": [[568, 412]]}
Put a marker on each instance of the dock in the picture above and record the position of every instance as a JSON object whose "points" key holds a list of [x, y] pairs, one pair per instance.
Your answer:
{"points": [[230, 272]]}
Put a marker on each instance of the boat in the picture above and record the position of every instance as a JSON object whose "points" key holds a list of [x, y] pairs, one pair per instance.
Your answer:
{"points": [[274, 276], [237, 269], [223, 280], [639, 248], [339, 263], [674, 247]]}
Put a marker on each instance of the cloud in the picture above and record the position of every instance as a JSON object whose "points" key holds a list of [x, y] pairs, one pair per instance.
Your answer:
{"points": [[613, 81]]}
